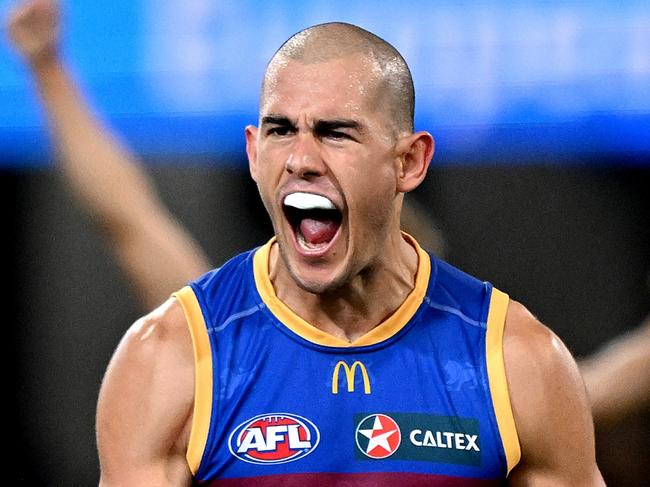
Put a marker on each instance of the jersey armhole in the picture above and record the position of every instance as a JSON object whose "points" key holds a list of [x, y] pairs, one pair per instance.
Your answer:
{"points": [[497, 377], [202, 377]]}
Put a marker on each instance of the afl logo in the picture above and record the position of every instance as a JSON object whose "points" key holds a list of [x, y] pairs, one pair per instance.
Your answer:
{"points": [[378, 436], [274, 438]]}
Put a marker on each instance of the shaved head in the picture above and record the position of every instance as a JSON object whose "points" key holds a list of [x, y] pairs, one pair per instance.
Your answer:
{"points": [[392, 84]]}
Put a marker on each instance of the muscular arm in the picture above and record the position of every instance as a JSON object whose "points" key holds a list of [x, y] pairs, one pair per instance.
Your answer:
{"points": [[618, 376], [550, 407], [145, 404], [152, 248]]}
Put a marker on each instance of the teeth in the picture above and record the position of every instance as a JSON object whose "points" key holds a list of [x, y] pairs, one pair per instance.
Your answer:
{"points": [[309, 246], [308, 201]]}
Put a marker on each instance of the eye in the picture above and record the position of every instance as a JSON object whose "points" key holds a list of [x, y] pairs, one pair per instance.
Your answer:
{"points": [[336, 135], [279, 131]]}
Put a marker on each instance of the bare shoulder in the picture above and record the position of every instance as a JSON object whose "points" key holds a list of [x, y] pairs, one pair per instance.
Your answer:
{"points": [[165, 326], [528, 343], [550, 407], [160, 335], [145, 404]]}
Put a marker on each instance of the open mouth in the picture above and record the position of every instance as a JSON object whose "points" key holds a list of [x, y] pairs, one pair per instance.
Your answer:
{"points": [[315, 220]]}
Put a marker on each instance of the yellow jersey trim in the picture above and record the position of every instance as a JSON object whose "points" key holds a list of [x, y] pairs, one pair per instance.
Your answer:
{"points": [[202, 377], [299, 326], [497, 377]]}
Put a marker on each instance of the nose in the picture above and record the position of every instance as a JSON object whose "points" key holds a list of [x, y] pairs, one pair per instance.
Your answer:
{"points": [[305, 160]]}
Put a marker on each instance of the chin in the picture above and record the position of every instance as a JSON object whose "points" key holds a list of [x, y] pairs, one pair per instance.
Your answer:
{"points": [[319, 281], [316, 287], [315, 278]]}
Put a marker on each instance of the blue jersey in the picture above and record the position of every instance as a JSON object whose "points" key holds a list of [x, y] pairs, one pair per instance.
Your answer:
{"points": [[421, 399]]}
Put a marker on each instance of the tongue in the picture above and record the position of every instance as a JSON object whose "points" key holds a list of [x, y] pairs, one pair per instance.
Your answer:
{"points": [[318, 231]]}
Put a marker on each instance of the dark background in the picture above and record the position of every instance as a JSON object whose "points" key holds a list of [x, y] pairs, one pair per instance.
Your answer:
{"points": [[569, 242]]}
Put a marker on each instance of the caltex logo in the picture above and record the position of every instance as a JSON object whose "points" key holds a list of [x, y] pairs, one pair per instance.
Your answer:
{"points": [[378, 436], [274, 438]]}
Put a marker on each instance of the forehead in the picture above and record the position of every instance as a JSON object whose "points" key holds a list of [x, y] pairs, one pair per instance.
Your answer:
{"points": [[337, 87]]}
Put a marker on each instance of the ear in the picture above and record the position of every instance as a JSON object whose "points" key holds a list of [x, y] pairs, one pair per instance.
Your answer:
{"points": [[251, 150], [414, 153]]}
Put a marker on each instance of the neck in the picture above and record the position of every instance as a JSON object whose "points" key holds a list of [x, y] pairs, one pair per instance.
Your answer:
{"points": [[365, 301]]}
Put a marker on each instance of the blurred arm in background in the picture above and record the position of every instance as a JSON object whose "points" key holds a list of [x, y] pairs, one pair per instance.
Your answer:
{"points": [[618, 376], [152, 248], [157, 253]]}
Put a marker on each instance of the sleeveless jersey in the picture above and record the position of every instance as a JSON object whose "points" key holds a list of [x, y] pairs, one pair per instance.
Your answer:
{"points": [[421, 399]]}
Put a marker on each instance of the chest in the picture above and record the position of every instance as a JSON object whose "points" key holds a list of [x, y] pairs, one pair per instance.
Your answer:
{"points": [[420, 403]]}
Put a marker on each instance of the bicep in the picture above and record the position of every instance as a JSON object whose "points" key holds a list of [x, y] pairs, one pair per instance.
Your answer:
{"points": [[550, 406], [144, 409]]}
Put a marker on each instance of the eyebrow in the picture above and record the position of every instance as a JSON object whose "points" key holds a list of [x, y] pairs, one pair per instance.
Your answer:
{"points": [[321, 125], [276, 120], [324, 125]]}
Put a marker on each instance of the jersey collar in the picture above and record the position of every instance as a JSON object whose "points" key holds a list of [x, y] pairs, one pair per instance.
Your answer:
{"points": [[388, 328]]}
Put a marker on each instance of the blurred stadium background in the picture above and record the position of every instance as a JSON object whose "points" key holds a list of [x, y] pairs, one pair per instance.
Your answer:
{"points": [[540, 182]]}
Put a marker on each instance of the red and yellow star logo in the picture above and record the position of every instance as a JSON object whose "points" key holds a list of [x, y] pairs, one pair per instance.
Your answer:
{"points": [[378, 436]]}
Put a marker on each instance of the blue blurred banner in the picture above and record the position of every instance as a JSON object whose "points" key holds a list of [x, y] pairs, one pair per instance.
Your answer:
{"points": [[541, 81]]}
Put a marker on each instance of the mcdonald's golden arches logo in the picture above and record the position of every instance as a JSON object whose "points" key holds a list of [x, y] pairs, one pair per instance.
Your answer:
{"points": [[350, 376]]}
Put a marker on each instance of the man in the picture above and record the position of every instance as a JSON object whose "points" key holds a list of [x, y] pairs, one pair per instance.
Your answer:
{"points": [[239, 377], [253, 394]]}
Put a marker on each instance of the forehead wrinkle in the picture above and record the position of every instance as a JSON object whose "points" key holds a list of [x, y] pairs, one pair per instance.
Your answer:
{"points": [[375, 82], [385, 77]]}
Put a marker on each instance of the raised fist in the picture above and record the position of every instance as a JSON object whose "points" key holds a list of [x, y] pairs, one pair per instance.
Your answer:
{"points": [[33, 27]]}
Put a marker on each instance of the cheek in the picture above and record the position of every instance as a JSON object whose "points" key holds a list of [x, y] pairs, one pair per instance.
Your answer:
{"points": [[379, 178], [267, 179], [270, 167], [373, 194]]}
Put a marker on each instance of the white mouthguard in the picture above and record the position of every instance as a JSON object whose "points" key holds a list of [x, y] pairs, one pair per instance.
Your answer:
{"points": [[308, 201]]}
